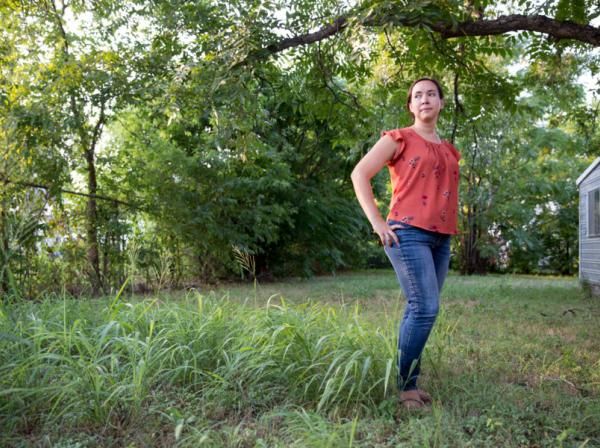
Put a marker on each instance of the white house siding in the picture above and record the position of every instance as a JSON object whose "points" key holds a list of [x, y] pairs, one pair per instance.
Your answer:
{"points": [[589, 247]]}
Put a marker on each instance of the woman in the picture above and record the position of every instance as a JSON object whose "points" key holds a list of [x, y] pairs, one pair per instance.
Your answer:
{"points": [[422, 217]]}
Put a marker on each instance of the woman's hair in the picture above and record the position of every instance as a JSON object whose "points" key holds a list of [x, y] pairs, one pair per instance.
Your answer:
{"points": [[437, 84]]}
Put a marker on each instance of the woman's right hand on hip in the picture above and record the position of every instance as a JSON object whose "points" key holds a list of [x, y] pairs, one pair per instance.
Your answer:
{"points": [[386, 233]]}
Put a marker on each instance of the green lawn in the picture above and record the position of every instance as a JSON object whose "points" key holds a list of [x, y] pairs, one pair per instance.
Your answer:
{"points": [[514, 361]]}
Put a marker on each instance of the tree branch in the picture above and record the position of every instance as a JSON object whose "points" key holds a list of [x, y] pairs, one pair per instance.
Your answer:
{"points": [[501, 25], [518, 22], [338, 25], [6, 180]]}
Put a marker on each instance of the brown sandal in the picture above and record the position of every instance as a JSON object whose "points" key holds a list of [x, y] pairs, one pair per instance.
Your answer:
{"points": [[411, 400], [425, 397], [411, 404]]}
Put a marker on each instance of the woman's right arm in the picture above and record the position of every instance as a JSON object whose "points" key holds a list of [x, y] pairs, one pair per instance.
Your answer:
{"points": [[361, 176]]}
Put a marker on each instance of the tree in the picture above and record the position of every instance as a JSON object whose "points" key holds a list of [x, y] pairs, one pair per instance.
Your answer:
{"points": [[80, 75]]}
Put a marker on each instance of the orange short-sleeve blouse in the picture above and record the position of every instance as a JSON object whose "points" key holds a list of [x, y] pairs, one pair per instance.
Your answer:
{"points": [[425, 178]]}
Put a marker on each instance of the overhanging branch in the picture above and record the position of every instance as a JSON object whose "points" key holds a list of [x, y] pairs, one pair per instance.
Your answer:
{"points": [[327, 31], [501, 25], [518, 22]]}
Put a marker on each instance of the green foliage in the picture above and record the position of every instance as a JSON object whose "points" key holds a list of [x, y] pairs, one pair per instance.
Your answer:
{"points": [[573, 10], [171, 110], [20, 222]]}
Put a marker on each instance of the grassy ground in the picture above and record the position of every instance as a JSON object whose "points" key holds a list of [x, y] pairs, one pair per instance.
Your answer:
{"points": [[514, 361]]}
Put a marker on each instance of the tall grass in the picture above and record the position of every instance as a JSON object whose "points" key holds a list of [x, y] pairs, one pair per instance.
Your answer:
{"points": [[70, 366]]}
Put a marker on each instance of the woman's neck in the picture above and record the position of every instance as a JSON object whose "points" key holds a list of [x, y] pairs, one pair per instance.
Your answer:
{"points": [[426, 129]]}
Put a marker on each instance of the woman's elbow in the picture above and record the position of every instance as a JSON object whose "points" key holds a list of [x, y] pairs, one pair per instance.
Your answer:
{"points": [[359, 174], [356, 175]]}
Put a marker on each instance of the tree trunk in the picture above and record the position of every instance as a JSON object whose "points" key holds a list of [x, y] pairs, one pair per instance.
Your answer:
{"points": [[92, 226], [106, 259], [471, 261], [4, 285]]}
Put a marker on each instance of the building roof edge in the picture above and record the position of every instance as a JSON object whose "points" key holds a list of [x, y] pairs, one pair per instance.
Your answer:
{"points": [[587, 171]]}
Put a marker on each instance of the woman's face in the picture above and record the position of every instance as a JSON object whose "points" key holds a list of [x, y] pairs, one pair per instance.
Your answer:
{"points": [[425, 102]]}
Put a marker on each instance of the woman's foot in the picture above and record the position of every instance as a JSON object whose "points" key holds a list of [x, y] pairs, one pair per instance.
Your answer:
{"points": [[424, 396], [411, 400]]}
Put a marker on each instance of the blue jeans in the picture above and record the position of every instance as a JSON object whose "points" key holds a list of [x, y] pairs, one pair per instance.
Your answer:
{"points": [[421, 263]]}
